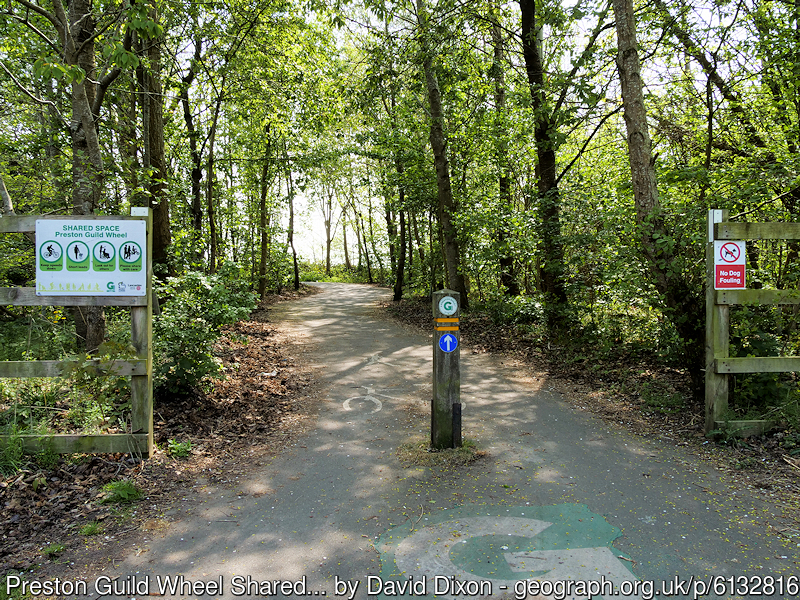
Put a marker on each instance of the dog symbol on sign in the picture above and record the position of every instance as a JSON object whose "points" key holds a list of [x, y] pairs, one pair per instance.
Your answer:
{"points": [[730, 252]]}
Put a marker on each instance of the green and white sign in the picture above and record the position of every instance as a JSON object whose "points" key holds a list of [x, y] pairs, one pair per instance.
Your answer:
{"points": [[51, 256], [91, 257]]}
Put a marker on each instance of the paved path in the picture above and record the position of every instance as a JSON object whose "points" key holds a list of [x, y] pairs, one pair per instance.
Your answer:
{"points": [[560, 494]]}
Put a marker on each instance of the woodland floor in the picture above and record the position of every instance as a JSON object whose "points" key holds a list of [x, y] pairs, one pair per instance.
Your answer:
{"points": [[267, 399]]}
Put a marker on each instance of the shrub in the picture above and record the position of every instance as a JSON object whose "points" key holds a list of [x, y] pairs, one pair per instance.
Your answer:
{"points": [[179, 449], [197, 306]]}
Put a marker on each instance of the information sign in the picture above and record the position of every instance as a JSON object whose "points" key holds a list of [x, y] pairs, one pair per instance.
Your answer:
{"points": [[729, 265], [93, 257]]}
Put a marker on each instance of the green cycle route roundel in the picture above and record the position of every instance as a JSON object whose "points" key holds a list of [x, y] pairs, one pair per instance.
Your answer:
{"points": [[466, 551]]}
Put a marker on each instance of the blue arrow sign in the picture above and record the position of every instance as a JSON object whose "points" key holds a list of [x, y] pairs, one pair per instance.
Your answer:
{"points": [[448, 342]]}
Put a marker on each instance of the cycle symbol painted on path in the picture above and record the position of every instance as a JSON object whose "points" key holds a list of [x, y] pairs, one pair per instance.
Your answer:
{"points": [[369, 397]]}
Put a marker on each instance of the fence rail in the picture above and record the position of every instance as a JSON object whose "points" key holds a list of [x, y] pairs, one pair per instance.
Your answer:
{"points": [[719, 364], [140, 438]]}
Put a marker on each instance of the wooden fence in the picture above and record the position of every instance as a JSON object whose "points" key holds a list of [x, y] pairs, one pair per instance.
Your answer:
{"points": [[139, 440], [719, 364]]}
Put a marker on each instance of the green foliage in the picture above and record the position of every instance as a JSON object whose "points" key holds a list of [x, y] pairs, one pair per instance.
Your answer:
{"points": [[791, 443], [91, 528], [514, 310], [98, 401], [38, 333], [339, 273], [179, 449], [11, 453], [762, 331], [120, 492], [53, 550], [16, 594], [662, 401], [47, 457], [196, 307]]}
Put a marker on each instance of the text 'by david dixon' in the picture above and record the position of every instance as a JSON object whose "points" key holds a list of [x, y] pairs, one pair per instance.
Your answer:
{"points": [[140, 586]]}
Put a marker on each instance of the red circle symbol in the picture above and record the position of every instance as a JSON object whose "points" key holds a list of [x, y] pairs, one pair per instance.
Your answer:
{"points": [[730, 252]]}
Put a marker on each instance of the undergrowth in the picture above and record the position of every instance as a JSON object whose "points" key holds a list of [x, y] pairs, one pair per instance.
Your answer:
{"points": [[418, 453]]}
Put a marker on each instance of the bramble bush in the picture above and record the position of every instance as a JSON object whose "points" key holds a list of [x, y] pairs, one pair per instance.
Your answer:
{"points": [[197, 306]]}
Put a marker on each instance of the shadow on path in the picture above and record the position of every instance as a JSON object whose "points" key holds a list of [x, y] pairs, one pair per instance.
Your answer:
{"points": [[336, 499]]}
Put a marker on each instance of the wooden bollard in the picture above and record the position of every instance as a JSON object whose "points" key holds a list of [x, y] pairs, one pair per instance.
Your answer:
{"points": [[446, 400]]}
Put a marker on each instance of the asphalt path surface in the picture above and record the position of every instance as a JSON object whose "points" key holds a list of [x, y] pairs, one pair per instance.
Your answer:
{"points": [[559, 495]]}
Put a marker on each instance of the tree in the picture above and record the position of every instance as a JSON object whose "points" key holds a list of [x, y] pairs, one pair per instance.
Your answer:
{"points": [[683, 302], [71, 34], [438, 140]]}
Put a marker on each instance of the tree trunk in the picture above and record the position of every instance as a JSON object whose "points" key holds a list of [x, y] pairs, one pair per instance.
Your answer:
{"points": [[347, 264], [210, 211], [162, 237], [685, 307], [263, 223], [506, 262], [327, 212], [196, 209], [375, 252], [391, 234], [401, 259], [6, 205], [399, 268], [87, 163], [552, 272], [366, 250], [438, 140], [290, 233]]}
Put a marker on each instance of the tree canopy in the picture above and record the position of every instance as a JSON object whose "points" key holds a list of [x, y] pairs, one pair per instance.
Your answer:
{"points": [[553, 162]]}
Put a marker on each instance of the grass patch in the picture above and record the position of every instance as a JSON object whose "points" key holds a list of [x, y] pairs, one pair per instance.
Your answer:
{"points": [[418, 453], [53, 550], [91, 528]]}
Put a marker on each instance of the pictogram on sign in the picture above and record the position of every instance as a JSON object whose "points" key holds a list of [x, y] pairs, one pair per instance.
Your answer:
{"points": [[730, 252], [729, 265], [448, 342]]}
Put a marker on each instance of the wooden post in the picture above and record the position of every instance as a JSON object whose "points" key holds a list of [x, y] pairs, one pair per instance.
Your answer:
{"points": [[446, 400], [142, 340], [717, 333]]}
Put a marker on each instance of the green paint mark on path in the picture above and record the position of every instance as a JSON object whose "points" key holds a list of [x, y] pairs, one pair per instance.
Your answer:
{"points": [[500, 546]]}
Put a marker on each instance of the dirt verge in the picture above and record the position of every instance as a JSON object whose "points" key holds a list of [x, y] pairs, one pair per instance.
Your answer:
{"points": [[53, 520]]}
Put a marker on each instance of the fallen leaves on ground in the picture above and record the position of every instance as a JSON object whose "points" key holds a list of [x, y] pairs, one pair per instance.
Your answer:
{"points": [[261, 403]]}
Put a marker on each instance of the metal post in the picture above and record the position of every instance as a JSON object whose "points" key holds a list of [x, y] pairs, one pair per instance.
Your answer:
{"points": [[446, 400]]}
